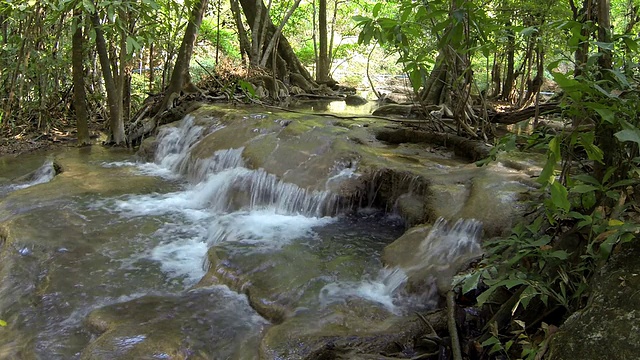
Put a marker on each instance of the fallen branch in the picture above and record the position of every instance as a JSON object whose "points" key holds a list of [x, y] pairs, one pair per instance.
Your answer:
{"points": [[514, 117], [453, 326]]}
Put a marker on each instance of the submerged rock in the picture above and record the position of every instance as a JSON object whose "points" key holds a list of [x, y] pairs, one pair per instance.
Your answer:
{"points": [[609, 326], [200, 324]]}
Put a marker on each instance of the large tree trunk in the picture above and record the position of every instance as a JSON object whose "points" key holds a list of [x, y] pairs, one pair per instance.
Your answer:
{"points": [[79, 96], [289, 67], [274, 39], [433, 90], [115, 103], [180, 76]]}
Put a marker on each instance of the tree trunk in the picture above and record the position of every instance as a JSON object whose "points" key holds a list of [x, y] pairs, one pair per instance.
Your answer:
{"points": [[510, 75], [243, 38], [435, 85], [79, 96], [584, 15], [605, 138], [322, 72], [496, 78], [274, 39], [151, 68], [180, 76], [115, 103], [288, 64]]}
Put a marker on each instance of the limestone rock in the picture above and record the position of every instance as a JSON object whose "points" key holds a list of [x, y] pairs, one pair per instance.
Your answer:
{"points": [[609, 327]]}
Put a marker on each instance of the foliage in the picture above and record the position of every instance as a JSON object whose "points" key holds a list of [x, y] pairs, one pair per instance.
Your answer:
{"points": [[306, 53], [589, 195], [228, 40]]}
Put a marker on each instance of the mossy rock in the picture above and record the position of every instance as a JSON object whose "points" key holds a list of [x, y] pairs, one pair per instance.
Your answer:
{"points": [[609, 327]]}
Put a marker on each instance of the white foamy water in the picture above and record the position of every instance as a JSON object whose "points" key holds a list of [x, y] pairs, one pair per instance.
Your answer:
{"points": [[266, 228], [222, 200], [43, 174]]}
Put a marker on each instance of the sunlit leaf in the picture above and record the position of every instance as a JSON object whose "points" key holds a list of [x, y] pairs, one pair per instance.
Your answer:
{"points": [[615, 222]]}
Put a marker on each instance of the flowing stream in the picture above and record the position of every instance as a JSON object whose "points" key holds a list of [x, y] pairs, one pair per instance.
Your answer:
{"points": [[113, 257]]}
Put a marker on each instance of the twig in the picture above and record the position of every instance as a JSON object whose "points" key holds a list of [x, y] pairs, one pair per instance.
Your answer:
{"points": [[453, 327], [424, 319]]}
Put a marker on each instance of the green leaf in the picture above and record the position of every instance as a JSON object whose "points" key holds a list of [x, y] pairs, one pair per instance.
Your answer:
{"points": [[559, 196], [547, 172], [583, 188], [528, 31], [490, 341], [593, 151], [559, 254], [604, 45], [88, 6], [630, 135], [376, 9], [471, 282], [606, 115], [3, 323]]}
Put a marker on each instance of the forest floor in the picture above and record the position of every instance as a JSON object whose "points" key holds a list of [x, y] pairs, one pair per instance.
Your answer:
{"points": [[16, 141]]}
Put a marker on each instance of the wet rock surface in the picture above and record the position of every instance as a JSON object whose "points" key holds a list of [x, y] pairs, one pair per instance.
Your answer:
{"points": [[261, 191], [609, 326], [199, 324]]}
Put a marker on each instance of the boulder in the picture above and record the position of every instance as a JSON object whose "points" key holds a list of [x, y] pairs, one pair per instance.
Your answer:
{"points": [[609, 326]]}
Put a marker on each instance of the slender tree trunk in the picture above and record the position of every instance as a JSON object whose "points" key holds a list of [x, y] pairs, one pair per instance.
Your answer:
{"points": [[322, 73], [180, 76], [510, 75], [151, 68], [584, 15], [605, 131], [115, 103], [243, 38], [79, 96], [496, 78]]}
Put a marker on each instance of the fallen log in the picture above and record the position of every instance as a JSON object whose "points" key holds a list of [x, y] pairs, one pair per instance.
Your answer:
{"points": [[508, 118], [471, 149]]}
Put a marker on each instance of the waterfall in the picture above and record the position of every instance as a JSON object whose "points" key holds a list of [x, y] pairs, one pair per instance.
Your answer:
{"points": [[434, 263], [43, 174]]}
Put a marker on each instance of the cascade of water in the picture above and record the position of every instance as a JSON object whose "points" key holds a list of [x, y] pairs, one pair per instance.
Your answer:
{"points": [[383, 289], [43, 174], [175, 143], [223, 183], [446, 244], [436, 260]]}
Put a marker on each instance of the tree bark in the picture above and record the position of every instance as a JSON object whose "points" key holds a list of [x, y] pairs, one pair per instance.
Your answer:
{"points": [[276, 35], [510, 75], [180, 76], [288, 63], [322, 72], [243, 38], [115, 103], [605, 138], [79, 96]]}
